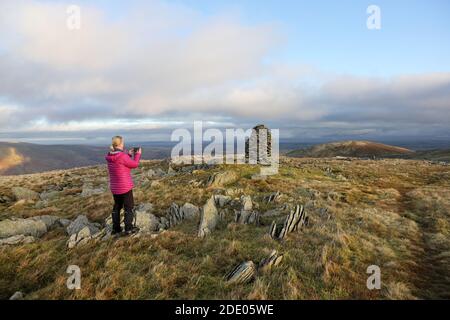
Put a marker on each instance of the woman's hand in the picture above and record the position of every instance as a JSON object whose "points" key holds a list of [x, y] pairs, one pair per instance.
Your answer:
{"points": [[139, 150]]}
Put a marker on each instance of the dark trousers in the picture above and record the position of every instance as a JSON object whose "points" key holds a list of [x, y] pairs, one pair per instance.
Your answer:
{"points": [[125, 201]]}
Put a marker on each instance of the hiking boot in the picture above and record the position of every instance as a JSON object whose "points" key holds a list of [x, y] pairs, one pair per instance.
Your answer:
{"points": [[116, 231], [131, 231]]}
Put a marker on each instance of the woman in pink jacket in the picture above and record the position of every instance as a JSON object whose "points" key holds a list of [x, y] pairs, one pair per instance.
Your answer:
{"points": [[120, 163]]}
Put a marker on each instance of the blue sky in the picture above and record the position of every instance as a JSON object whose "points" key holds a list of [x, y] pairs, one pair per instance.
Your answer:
{"points": [[310, 68], [333, 34]]}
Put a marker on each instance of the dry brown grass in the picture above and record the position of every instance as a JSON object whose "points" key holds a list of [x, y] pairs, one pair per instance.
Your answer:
{"points": [[391, 213]]}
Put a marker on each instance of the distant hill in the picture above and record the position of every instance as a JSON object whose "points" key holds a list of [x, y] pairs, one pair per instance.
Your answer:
{"points": [[358, 149], [21, 158]]}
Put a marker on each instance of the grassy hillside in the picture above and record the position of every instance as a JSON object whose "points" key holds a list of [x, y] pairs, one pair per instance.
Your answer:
{"points": [[22, 158], [358, 149], [390, 213]]}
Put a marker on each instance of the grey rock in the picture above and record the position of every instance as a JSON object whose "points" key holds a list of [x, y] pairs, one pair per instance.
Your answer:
{"points": [[273, 260], [222, 178], [242, 273], [21, 193], [50, 221], [17, 296], [190, 211], [295, 220], [80, 238], [49, 195], [17, 239], [147, 222], [222, 200], [64, 222], [27, 227], [209, 218], [247, 215], [88, 190], [79, 223]]}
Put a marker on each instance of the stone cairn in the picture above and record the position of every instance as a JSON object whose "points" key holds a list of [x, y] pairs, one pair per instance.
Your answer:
{"points": [[295, 220], [259, 138]]}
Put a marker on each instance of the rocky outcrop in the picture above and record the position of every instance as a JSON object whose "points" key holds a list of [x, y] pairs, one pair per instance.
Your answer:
{"points": [[221, 179], [26, 227], [80, 223], [273, 260], [21, 193], [50, 222], [247, 215], [295, 220], [242, 273], [209, 218]]}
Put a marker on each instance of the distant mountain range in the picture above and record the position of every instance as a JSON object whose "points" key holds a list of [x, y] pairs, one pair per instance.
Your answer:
{"points": [[367, 149], [21, 158]]}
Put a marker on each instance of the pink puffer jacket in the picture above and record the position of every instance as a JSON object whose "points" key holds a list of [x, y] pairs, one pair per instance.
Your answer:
{"points": [[119, 167]]}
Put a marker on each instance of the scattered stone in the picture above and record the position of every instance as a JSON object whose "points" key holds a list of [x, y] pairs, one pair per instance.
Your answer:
{"points": [[295, 220], [273, 197], [242, 273], [26, 227], [21, 193], [155, 173], [79, 223], [17, 239], [80, 238], [209, 218], [273, 260], [221, 179], [247, 215], [17, 296]]}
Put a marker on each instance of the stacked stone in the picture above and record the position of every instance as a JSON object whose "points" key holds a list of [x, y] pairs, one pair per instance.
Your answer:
{"points": [[258, 147]]}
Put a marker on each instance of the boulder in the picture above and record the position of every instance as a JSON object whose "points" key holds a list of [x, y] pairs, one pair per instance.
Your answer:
{"points": [[79, 223], [17, 239], [247, 203], [209, 218], [21, 193], [26, 227], [147, 222], [50, 221], [189, 211], [242, 273], [222, 178]]}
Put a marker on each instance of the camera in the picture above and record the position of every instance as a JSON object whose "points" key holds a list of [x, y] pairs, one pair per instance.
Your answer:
{"points": [[135, 149]]}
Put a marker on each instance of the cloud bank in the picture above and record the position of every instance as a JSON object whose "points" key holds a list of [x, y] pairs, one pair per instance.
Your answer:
{"points": [[158, 66]]}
